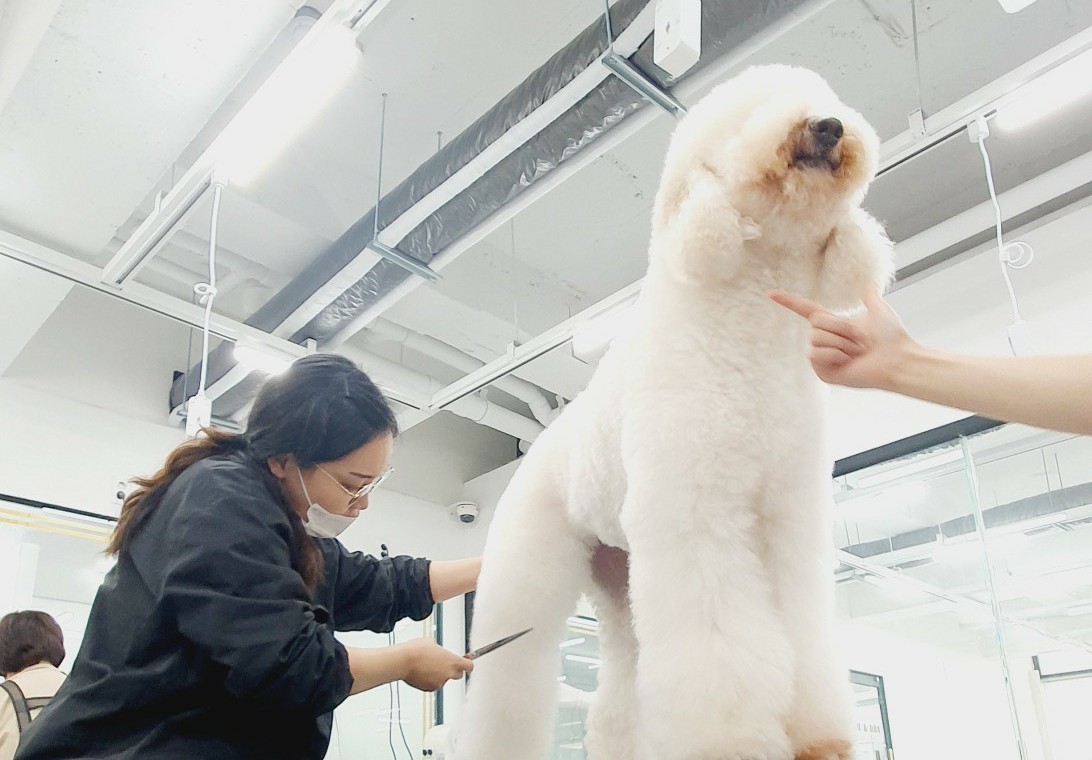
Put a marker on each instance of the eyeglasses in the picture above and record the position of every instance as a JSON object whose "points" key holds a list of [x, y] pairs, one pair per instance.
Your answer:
{"points": [[364, 490]]}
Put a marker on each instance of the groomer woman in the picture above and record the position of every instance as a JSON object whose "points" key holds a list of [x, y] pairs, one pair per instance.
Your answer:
{"points": [[213, 636]]}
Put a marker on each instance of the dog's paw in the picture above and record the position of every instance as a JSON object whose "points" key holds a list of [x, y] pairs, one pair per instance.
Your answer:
{"points": [[831, 749]]}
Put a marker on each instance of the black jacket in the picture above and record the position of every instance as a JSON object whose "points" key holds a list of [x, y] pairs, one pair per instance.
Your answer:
{"points": [[203, 641]]}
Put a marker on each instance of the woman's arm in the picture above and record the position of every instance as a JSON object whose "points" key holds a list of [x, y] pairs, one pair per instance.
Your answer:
{"points": [[449, 579], [874, 351], [1053, 392]]}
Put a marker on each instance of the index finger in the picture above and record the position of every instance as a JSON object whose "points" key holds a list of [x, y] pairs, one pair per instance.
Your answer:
{"points": [[802, 306], [873, 299]]}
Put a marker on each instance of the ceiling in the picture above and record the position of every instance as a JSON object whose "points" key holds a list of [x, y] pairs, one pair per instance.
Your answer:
{"points": [[103, 106]]}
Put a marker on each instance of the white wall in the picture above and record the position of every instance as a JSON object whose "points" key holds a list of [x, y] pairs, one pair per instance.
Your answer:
{"points": [[84, 404], [73, 454], [434, 459]]}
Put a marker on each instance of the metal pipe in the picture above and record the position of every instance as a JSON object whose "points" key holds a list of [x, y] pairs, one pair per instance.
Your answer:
{"points": [[636, 80]]}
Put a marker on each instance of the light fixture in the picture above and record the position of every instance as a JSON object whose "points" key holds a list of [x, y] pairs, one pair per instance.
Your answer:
{"points": [[967, 545], [891, 585], [1083, 608], [584, 624], [911, 493], [1012, 6], [153, 232], [1048, 93], [910, 468], [581, 658], [261, 360], [287, 103], [592, 340], [955, 548], [572, 642]]}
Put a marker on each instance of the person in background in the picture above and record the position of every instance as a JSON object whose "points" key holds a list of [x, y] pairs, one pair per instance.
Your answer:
{"points": [[213, 635], [31, 650], [872, 350]]}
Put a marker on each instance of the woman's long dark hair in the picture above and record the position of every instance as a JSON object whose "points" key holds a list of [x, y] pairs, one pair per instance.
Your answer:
{"points": [[319, 410]]}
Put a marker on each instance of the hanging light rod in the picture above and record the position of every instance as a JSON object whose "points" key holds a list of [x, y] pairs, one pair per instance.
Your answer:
{"points": [[153, 232]]}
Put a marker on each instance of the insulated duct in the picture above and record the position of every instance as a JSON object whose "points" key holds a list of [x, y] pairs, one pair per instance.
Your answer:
{"points": [[726, 27]]}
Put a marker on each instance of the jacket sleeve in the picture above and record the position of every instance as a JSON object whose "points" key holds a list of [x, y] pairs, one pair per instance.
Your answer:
{"points": [[373, 594], [231, 587]]}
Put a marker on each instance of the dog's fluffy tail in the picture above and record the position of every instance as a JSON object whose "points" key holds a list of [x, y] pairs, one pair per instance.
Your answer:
{"points": [[533, 571]]}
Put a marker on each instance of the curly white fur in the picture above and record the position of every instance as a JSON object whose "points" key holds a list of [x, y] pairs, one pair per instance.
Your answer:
{"points": [[699, 448]]}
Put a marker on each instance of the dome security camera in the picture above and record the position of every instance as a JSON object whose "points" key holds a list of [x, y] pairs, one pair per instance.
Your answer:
{"points": [[466, 512]]}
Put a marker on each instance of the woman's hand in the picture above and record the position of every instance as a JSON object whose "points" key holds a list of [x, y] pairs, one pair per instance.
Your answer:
{"points": [[874, 351], [428, 666], [866, 351]]}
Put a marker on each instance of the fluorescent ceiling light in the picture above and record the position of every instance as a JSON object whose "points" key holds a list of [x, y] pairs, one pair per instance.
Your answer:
{"points": [[910, 468], [261, 361], [572, 642], [967, 545], [902, 496], [592, 340], [892, 585], [1048, 93], [287, 103], [1084, 608], [154, 231], [584, 625], [1012, 6], [583, 659]]}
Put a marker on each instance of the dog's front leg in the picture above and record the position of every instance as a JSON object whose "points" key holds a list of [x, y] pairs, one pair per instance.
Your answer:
{"points": [[534, 568], [715, 674], [701, 237], [857, 255], [612, 730], [799, 556]]}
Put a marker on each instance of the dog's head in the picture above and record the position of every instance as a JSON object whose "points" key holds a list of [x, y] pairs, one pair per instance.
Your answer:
{"points": [[774, 154], [782, 144]]}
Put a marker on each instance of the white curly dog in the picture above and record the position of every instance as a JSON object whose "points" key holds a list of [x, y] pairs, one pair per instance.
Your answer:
{"points": [[699, 452]]}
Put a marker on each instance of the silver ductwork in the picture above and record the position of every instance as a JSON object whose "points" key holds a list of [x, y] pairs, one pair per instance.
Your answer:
{"points": [[523, 141]]}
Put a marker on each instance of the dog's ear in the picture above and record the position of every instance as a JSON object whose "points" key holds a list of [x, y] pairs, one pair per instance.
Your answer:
{"points": [[696, 229], [858, 255]]}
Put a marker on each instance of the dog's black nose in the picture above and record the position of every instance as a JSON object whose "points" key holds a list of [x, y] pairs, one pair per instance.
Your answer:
{"points": [[827, 132]]}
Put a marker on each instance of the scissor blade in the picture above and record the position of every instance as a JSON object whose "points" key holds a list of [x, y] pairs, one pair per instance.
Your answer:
{"points": [[496, 644]]}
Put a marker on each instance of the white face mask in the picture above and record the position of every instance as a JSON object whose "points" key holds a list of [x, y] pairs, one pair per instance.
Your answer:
{"points": [[320, 523]]}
